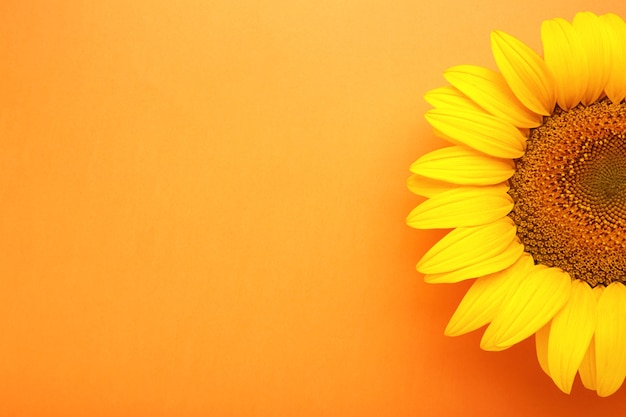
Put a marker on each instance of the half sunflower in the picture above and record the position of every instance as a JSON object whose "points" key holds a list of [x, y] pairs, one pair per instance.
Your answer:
{"points": [[534, 188]]}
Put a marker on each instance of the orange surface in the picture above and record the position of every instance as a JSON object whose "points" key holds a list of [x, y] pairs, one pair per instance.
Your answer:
{"points": [[202, 211]]}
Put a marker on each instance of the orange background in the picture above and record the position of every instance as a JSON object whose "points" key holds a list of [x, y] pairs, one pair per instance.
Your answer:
{"points": [[202, 211]]}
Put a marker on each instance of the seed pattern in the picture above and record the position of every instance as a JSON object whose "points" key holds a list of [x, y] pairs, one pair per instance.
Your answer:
{"points": [[569, 190]]}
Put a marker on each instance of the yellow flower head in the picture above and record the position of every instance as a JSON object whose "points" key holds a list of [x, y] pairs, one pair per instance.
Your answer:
{"points": [[534, 188]]}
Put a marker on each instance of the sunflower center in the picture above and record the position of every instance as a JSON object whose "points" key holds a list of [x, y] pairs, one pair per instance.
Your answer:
{"points": [[569, 190]]}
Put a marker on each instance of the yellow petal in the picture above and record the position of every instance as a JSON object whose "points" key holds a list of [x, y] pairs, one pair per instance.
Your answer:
{"points": [[525, 72], [465, 246], [483, 299], [616, 85], [451, 98], [542, 336], [541, 294], [594, 37], [480, 131], [610, 339], [480, 268], [565, 57], [462, 206], [427, 187], [570, 334], [464, 166], [491, 92], [587, 370]]}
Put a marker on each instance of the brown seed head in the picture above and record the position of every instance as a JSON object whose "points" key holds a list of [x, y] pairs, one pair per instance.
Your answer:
{"points": [[569, 190]]}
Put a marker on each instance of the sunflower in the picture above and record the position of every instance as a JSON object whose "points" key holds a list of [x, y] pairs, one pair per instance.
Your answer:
{"points": [[534, 190]]}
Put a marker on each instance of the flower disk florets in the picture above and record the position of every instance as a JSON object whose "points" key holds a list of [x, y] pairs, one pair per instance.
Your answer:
{"points": [[569, 190]]}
